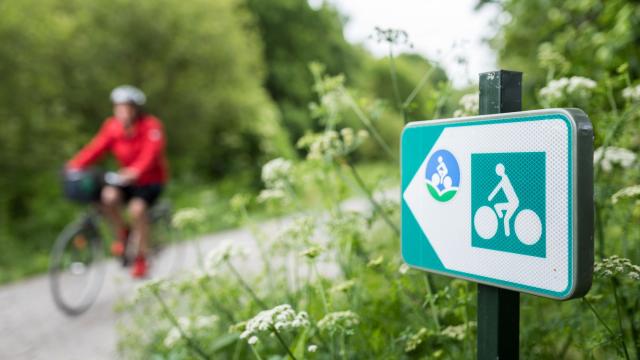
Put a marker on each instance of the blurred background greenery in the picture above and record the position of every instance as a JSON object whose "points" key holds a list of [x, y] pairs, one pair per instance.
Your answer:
{"points": [[230, 79]]}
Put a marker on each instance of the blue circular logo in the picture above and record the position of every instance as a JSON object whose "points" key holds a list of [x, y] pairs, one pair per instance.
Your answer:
{"points": [[442, 175]]}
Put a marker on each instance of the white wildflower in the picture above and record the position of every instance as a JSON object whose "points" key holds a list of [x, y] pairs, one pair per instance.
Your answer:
{"points": [[404, 268], [253, 340], [267, 195], [280, 318], [224, 252], [331, 144], [469, 105], [276, 174], [557, 90], [172, 337], [188, 217], [312, 348], [631, 93], [343, 322], [630, 191], [614, 266], [611, 156]]}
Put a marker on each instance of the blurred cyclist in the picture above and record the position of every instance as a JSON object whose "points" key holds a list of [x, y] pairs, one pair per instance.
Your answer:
{"points": [[136, 139]]}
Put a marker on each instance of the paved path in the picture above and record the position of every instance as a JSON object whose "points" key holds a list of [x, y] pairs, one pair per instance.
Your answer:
{"points": [[31, 327]]}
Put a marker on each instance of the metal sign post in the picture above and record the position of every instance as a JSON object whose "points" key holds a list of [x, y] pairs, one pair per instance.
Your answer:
{"points": [[499, 309], [504, 199]]}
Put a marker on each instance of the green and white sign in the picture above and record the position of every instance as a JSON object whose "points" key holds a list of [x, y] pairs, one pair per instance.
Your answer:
{"points": [[505, 200]]}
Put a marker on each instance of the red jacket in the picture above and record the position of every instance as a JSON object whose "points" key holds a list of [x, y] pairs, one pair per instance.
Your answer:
{"points": [[142, 150]]}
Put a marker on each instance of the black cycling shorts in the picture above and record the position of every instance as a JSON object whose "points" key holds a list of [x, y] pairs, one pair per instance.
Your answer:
{"points": [[148, 193]]}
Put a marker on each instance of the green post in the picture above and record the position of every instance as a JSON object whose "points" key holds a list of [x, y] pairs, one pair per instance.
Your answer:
{"points": [[499, 309]]}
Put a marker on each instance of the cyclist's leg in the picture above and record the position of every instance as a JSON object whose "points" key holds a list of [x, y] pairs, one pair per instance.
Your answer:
{"points": [[143, 197], [111, 202], [507, 217], [500, 207], [138, 211]]}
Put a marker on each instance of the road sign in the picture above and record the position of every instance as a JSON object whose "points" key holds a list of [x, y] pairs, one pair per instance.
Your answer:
{"points": [[504, 200]]}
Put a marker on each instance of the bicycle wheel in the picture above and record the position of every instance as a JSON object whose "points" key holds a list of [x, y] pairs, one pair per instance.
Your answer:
{"points": [[485, 222], [167, 254], [76, 271]]}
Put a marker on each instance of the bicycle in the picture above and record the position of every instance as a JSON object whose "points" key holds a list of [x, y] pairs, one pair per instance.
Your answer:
{"points": [[76, 268]]}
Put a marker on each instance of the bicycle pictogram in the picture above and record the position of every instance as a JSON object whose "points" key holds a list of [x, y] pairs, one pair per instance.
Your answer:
{"points": [[527, 224]]}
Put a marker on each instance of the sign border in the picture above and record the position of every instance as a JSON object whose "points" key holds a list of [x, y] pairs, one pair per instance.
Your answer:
{"points": [[580, 143]]}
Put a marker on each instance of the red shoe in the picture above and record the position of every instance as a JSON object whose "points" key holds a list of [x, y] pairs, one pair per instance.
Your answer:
{"points": [[119, 246], [140, 267]]}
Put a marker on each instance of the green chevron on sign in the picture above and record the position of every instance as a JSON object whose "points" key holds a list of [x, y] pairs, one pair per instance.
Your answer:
{"points": [[504, 200]]}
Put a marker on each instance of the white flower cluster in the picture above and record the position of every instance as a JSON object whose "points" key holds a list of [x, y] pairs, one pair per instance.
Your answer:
{"points": [[628, 192], [146, 288], [615, 265], [332, 144], [456, 332], [469, 105], [631, 93], [280, 318], [416, 339], [342, 322], [557, 90], [188, 326], [184, 218], [223, 252], [277, 173], [610, 156]]}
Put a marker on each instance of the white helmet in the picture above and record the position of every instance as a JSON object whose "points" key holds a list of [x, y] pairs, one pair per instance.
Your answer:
{"points": [[128, 94]]}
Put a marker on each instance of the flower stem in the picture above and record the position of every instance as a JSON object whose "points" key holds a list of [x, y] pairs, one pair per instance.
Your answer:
{"points": [[255, 352], [284, 345], [245, 285], [191, 344], [613, 335], [622, 335], [373, 202], [323, 296]]}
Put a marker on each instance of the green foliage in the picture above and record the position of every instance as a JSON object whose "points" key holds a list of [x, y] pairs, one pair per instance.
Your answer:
{"points": [[294, 34], [199, 63], [547, 40]]}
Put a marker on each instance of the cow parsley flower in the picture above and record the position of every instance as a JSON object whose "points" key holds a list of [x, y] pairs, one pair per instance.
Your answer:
{"points": [[276, 174], [628, 192], [469, 105], [223, 252], [557, 90], [331, 144], [416, 339], [631, 93], [404, 268], [614, 266], [343, 322], [611, 156], [184, 218], [267, 195], [280, 318]]}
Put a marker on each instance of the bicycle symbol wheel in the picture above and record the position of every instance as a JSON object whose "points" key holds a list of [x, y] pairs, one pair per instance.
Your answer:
{"points": [[485, 221], [528, 227]]}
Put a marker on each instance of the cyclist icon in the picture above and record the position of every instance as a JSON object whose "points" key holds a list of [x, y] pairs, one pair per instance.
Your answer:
{"points": [[441, 176], [528, 227], [512, 203]]}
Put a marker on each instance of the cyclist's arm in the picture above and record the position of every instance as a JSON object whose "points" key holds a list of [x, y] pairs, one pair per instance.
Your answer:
{"points": [[152, 146], [93, 151], [495, 191]]}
